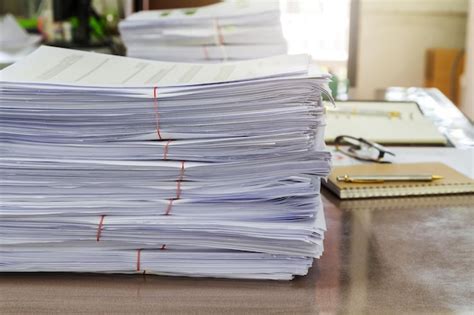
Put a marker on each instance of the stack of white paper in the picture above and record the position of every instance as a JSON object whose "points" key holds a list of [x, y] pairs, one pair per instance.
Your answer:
{"points": [[114, 164], [229, 30], [15, 42]]}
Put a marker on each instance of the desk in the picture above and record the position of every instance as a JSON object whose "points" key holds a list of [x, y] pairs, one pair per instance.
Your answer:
{"points": [[406, 259]]}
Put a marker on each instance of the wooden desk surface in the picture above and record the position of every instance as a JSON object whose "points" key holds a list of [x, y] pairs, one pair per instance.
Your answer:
{"points": [[415, 256]]}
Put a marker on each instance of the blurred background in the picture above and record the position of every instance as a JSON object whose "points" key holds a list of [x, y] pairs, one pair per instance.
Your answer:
{"points": [[369, 45]]}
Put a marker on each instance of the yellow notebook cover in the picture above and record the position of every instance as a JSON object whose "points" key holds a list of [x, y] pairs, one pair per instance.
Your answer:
{"points": [[452, 182]]}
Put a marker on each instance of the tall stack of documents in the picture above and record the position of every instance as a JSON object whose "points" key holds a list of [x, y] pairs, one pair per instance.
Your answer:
{"points": [[119, 165], [230, 30]]}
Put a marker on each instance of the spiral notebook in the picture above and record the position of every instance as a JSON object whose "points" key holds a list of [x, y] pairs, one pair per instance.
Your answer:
{"points": [[452, 182]]}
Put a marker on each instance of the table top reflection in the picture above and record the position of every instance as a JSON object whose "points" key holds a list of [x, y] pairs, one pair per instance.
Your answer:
{"points": [[411, 255]]}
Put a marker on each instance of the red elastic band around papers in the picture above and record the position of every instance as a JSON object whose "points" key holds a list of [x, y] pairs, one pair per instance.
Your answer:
{"points": [[178, 190], [138, 259], [170, 205], [163, 247], [100, 226], [178, 182], [219, 32], [165, 153], [181, 174], [206, 52], [157, 113]]}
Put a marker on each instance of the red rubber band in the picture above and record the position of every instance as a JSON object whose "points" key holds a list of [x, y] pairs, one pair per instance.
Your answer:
{"points": [[163, 247], [206, 52], [178, 190], [165, 153], [170, 205], [178, 182], [181, 174], [219, 32], [157, 114], [138, 259], [100, 226]]}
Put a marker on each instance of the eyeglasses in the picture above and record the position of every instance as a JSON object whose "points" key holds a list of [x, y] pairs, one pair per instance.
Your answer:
{"points": [[361, 149]]}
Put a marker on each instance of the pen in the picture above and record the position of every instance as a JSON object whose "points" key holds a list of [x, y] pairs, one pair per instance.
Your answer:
{"points": [[387, 178], [365, 112]]}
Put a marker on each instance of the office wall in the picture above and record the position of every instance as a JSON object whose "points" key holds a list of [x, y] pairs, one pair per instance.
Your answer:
{"points": [[394, 35]]}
